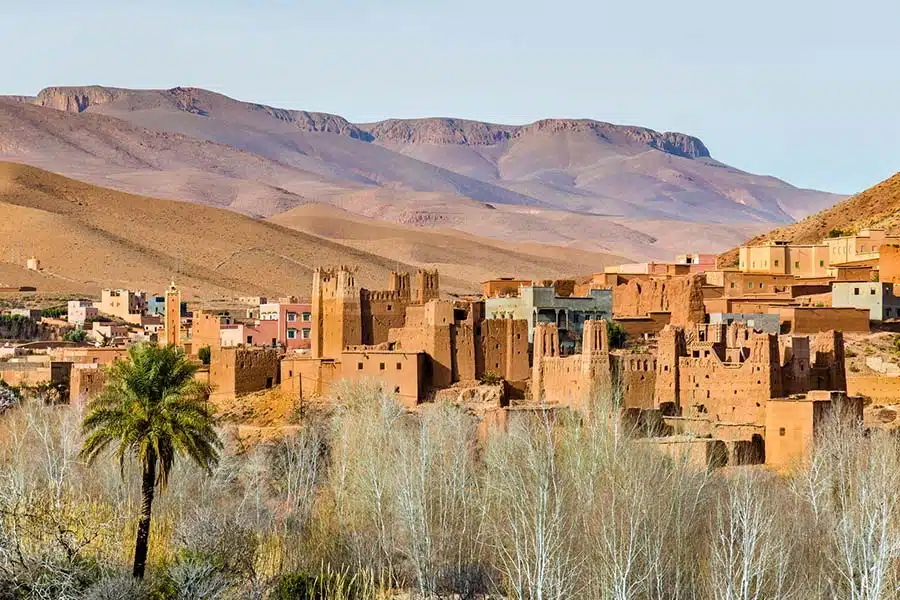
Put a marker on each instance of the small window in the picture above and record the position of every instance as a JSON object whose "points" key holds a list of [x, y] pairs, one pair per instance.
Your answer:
{"points": [[781, 431], [750, 285], [821, 263], [249, 339], [381, 366], [292, 316], [359, 366], [304, 333], [399, 366], [306, 316], [762, 285], [397, 389], [777, 262], [732, 285], [856, 291], [292, 334], [290, 373], [390, 307], [872, 292], [796, 264]]}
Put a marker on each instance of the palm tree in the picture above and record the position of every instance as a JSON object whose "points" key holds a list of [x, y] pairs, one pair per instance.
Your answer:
{"points": [[154, 410]]}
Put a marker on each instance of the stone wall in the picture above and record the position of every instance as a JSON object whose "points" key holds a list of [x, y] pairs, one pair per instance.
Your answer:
{"points": [[85, 382], [880, 388], [681, 296], [889, 263], [238, 371], [381, 311], [805, 321]]}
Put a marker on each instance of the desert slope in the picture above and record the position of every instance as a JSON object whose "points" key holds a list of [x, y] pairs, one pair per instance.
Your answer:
{"points": [[88, 237], [878, 206]]}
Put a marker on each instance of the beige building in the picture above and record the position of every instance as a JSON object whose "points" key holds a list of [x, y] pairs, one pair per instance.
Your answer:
{"points": [[860, 247], [779, 258], [127, 305]]}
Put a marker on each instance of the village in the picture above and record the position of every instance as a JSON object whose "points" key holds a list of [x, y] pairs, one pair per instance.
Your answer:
{"points": [[728, 365]]}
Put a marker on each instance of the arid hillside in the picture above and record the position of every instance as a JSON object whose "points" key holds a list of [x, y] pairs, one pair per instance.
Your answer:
{"points": [[88, 237], [878, 206], [569, 182]]}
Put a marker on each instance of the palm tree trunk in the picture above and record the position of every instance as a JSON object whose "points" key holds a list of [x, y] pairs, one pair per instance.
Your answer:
{"points": [[148, 486]]}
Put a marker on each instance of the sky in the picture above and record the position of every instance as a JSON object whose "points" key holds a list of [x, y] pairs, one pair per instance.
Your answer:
{"points": [[806, 90]]}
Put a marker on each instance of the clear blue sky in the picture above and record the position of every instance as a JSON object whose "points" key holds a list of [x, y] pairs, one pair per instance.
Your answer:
{"points": [[807, 90]]}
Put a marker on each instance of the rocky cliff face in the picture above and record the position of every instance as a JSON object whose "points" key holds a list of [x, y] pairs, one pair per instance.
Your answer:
{"points": [[447, 131], [77, 99], [476, 133]]}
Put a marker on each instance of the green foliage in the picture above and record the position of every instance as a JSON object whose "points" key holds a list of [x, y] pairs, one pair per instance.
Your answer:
{"points": [[55, 312], [76, 335], [153, 409], [205, 355], [616, 335], [491, 378], [327, 585], [836, 233]]}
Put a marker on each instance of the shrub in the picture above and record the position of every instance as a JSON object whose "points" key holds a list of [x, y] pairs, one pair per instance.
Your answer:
{"points": [[836, 233], [76, 335], [491, 378], [205, 355], [616, 335]]}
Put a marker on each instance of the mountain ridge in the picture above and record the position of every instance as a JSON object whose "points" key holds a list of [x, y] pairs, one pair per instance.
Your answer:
{"points": [[600, 179]]}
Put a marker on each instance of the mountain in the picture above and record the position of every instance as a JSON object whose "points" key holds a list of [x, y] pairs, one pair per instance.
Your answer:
{"points": [[88, 237], [878, 206], [573, 182]]}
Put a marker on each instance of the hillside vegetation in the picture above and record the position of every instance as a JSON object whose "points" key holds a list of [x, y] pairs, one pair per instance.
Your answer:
{"points": [[878, 206], [88, 237]]}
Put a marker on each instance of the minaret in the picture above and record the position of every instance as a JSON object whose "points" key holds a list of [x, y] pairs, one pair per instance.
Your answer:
{"points": [[173, 315]]}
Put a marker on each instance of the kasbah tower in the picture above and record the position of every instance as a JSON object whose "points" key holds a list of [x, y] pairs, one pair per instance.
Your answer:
{"points": [[173, 315]]}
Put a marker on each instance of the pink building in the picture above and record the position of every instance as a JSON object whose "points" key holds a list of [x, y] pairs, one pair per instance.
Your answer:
{"points": [[288, 324]]}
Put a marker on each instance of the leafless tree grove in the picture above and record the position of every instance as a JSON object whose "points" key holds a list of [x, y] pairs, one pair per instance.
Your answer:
{"points": [[371, 502]]}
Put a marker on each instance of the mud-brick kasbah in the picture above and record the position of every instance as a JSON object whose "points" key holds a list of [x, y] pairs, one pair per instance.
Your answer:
{"points": [[724, 365]]}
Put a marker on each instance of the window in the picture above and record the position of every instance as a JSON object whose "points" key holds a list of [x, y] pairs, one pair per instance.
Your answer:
{"points": [[390, 307], [796, 264], [762, 285], [750, 285], [290, 373], [292, 316], [781, 431], [856, 291], [306, 316], [399, 366], [777, 262], [397, 389], [381, 366], [249, 339], [305, 333], [359, 366], [292, 334], [872, 292], [821, 263], [732, 285]]}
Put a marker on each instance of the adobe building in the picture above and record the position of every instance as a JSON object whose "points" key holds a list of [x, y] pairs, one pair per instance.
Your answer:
{"points": [[681, 297], [237, 371], [401, 373], [782, 258], [628, 380], [543, 304], [888, 263], [344, 314], [862, 247], [793, 423]]}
